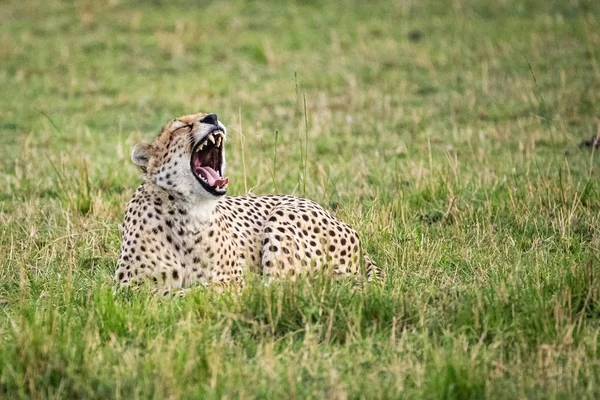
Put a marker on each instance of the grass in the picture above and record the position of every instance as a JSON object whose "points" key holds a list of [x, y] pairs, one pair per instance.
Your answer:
{"points": [[446, 132]]}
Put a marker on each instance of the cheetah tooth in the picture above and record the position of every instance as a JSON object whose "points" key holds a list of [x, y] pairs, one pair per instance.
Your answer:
{"points": [[219, 141], [211, 138]]}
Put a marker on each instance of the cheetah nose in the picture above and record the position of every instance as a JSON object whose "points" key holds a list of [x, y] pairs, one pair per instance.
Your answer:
{"points": [[210, 119]]}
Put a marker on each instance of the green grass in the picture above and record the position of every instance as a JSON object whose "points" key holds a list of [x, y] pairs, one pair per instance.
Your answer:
{"points": [[446, 132]]}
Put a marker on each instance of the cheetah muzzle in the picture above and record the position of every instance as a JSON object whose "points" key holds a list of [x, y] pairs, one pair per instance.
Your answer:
{"points": [[180, 229]]}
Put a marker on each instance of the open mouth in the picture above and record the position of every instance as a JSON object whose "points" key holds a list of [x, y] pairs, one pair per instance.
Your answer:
{"points": [[207, 163]]}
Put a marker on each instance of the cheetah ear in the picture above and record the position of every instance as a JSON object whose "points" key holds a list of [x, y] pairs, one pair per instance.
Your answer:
{"points": [[141, 155]]}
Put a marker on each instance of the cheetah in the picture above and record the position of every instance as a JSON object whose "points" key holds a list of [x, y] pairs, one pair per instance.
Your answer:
{"points": [[180, 229]]}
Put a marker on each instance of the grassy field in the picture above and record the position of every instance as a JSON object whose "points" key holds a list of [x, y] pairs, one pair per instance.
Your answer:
{"points": [[447, 132]]}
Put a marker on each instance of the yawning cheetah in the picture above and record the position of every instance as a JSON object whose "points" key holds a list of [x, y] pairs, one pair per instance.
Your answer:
{"points": [[181, 229]]}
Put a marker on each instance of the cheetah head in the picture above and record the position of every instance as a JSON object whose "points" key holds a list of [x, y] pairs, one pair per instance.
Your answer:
{"points": [[187, 158]]}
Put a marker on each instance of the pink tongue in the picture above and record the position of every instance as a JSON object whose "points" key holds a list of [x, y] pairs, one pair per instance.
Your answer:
{"points": [[211, 176]]}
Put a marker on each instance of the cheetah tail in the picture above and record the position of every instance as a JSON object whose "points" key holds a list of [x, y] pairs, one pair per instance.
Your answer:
{"points": [[374, 273]]}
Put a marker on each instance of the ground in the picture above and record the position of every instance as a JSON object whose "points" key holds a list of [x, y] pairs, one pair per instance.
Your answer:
{"points": [[448, 133]]}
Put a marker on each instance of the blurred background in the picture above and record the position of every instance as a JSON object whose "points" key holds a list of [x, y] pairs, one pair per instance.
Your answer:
{"points": [[376, 87]]}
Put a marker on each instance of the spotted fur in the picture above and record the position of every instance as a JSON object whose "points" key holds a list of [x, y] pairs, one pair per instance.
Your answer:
{"points": [[176, 234]]}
